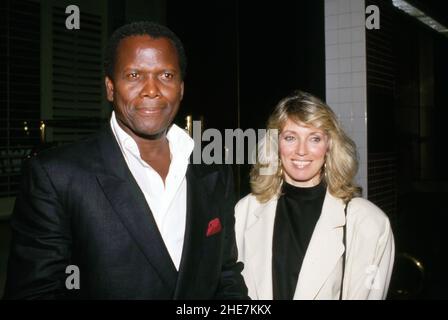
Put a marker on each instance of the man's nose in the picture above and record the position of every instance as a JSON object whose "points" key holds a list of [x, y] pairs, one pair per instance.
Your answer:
{"points": [[150, 88]]}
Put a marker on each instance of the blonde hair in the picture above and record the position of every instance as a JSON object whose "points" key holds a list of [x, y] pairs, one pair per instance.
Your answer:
{"points": [[341, 162]]}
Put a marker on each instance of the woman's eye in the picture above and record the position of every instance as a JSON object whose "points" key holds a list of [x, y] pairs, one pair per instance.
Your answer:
{"points": [[315, 139], [289, 138]]}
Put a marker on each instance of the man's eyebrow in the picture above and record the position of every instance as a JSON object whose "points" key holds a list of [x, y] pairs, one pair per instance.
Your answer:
{"points": [[169, 68], [130, 69]]}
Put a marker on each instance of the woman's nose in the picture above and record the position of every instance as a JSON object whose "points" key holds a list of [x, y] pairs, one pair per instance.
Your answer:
{"points": [[301, 149]]}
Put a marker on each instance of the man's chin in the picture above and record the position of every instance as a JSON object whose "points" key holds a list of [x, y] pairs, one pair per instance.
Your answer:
{"points": [[151, 133]]}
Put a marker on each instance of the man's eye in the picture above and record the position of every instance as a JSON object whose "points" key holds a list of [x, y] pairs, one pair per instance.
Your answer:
{"points": [[132, 75], [168, 75]]}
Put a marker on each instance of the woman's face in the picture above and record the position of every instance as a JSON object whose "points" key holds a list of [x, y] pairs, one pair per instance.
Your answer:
{"points": [[302, 152]]}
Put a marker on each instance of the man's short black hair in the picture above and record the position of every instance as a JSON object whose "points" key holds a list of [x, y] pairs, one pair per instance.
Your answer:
{"points": [[152, 29]]}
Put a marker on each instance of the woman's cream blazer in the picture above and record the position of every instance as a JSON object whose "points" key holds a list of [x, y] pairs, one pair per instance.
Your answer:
{"points": [[370, 250]]}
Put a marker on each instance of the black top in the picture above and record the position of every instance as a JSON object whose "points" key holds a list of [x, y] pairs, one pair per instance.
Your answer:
{"points": [[298, 210]]}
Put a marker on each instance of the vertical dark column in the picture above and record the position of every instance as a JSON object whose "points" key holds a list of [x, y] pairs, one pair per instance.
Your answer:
{"points": [[19, 88], [441, 103], [243, 57], [282, 48], [209, 36], [116, 14], [426, 63]]}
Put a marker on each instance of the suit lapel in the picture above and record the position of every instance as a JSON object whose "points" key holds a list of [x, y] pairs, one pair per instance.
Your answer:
{"points": [[130, 205], [199, 207], [322, 255], [258, 239], [324, 250]]}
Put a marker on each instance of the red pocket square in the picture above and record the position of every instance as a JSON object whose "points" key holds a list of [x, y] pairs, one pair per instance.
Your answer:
{"points": [[214, 226]]}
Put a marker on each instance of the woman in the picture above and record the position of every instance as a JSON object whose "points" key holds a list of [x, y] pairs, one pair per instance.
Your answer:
{"points": [[303, 232]]}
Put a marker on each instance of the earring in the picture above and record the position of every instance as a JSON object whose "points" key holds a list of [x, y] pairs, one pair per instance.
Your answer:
{"points": [[280, 171]]}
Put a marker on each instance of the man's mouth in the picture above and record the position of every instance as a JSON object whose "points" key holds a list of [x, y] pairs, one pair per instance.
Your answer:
{"points": [[149, 111]]}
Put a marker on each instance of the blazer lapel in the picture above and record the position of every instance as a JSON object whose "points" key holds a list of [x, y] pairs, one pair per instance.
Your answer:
{"points": [[130, 205], [199, 184], [258, 239], [324, 249]]}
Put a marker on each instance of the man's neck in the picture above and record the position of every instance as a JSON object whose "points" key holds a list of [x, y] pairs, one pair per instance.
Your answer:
{"points": [[154, 150]]}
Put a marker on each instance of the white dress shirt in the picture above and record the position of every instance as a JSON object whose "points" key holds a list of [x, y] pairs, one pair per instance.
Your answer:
{"points": [[168, 202]]}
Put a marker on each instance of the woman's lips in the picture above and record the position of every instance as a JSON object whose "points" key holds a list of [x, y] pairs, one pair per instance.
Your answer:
{"points": [[301, 163]]}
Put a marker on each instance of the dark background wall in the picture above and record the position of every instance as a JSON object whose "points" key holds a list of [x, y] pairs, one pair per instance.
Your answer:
{"points": [[244, 57], [407, 74]]}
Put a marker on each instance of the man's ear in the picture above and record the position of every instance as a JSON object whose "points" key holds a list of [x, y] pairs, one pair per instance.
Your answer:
{"points": [[109, 88], [181, 90]]}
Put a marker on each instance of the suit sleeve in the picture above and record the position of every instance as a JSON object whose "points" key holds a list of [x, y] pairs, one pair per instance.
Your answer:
{"points": [[372, 261], [40, 245], [381, 276], [231, 285]]}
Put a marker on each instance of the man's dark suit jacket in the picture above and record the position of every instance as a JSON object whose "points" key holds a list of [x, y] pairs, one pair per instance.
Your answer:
{"points": [[80, 205]]}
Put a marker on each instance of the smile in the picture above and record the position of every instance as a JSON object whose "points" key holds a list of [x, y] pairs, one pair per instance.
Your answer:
{"points": [[149, 111], [301, 163]]}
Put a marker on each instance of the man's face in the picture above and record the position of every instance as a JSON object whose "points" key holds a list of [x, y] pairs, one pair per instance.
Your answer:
{"points": [[147, 87]]}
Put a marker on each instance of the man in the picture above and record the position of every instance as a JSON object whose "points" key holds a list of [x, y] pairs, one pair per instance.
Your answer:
{"points": [[126, 207]]}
